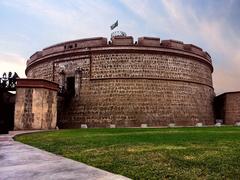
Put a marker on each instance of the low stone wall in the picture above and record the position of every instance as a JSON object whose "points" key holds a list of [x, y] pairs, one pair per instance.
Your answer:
{"points": [[36, 104]]}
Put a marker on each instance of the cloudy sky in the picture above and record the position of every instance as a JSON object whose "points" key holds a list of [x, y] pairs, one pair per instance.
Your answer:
{"points": [[30, 25]]}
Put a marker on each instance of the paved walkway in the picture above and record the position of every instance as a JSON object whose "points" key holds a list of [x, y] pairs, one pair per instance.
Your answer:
{"points": [[22, 162]]}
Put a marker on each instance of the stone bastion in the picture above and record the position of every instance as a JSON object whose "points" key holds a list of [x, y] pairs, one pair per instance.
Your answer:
{"points": [[123, 83]]}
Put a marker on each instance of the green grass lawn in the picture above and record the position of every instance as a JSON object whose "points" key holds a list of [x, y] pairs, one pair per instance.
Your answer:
{"points": [[168, 153]]}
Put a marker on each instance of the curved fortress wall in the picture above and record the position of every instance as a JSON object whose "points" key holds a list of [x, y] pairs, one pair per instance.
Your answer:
{"points": [[227, 108], [129, 84]]}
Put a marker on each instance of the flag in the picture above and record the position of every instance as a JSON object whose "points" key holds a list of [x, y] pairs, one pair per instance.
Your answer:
{"points": [[114, 25]]}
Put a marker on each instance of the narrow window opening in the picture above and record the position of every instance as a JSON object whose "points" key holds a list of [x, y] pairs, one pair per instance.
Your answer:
{"points": [[71, 86]]}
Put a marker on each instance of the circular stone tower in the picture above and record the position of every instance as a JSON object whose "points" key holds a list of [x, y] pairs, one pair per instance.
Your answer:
{"points": [[128, 83]]}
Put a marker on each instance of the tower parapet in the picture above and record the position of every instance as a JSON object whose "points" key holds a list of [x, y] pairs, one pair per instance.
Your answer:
{"points": [[149, 41], [122, 41], [99, 42]]}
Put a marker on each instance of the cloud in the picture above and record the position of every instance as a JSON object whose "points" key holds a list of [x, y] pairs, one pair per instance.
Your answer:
{"points": [[49, 22], [85, 18], [44, 23], [214, 34], [192, 22], [11, 62], [150, 11], [39, 8]]}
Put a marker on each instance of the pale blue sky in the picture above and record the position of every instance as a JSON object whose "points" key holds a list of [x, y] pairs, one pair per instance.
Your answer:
{"points": [[30, 25]]}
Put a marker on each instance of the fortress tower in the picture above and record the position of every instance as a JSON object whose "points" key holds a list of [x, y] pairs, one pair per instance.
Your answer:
{"points": [[127, 83]]}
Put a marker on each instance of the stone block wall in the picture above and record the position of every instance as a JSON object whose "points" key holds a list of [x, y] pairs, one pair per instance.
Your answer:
{"points": [[153, 66], [133, 89], [42, 71], [227, 107], [129, 85], [132, 102], [36, 104]]}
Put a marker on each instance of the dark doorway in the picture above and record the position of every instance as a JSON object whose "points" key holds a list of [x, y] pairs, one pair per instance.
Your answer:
{"points": [[8, 83], [71, 86], [7, 104]]}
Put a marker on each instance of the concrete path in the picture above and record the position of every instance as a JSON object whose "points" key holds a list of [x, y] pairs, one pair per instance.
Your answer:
{"points": [[22, 162]]}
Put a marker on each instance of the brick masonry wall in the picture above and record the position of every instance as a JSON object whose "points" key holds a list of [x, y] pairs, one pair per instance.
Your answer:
{"points": [[133, 65], [71, 65], [43, 70], [35, 108], [135, 102], [227, 107], [130, 89], [232, 108]]}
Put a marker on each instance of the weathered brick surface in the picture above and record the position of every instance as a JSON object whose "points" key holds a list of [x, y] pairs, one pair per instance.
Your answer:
{"points": [[228, 107], [135, 65], [35, 108], [135, 102], [69, 66], [43, 71], [130, 88]]}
